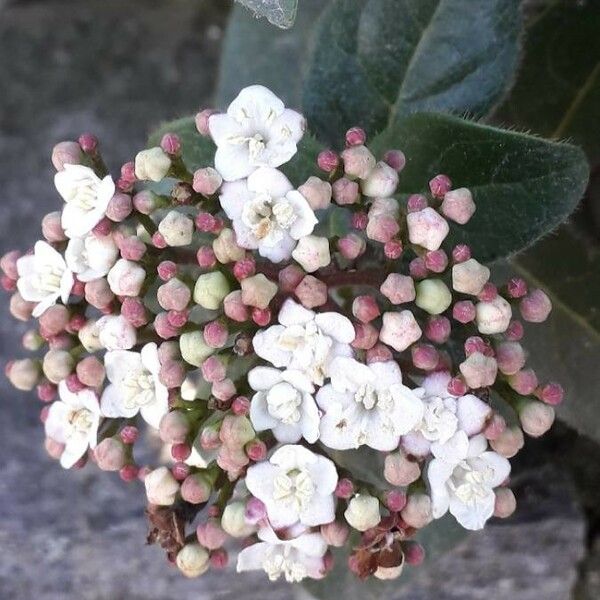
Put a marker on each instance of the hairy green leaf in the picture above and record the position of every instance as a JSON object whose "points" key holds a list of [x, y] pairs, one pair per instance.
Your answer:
{"points": [[557, 91], [375, 61], [523, 186], [280, 13]]}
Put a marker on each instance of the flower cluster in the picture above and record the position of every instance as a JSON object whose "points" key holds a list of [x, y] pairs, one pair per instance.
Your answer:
{"points": [[304, 391]]}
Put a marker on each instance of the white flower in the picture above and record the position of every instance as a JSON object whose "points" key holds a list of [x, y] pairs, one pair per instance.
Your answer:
{"points": [[134, 385], [86, 197], [366, 405], [73, 421], [284, 403], [462, 478], [115, 332], [295, 485], [257, 131], [444, 415], [91, 257], [267, 213], [295, 559], [44, 277], [305, 340]]}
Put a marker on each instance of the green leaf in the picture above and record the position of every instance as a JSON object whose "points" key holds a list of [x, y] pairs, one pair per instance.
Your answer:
{"points": [[254, 52], [557, 91], [376, 61], [437, 538], [304, 162], [523, 186], [567, 347], [197, 151], [281, 13]]}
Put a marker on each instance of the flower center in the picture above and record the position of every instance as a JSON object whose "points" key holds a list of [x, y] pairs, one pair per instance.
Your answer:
{"points": [[295, 487], [138, 389], [81, 421], [85, 195], [469, 484], [256, 146], [280, 561], [283, 402], [370, 398], [264, 216], [439, 421], [47, 278]]}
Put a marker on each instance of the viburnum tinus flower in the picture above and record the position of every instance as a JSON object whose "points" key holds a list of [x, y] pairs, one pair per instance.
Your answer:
{"points": [[282, 373]]}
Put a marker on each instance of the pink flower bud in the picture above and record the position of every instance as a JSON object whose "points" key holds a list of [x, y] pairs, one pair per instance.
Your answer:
{"points": [[163, 328], [438, 329], [244, 268], [45, 390], [52, 228], [395, 500], [440, 185], [226, 248], [393, 249], [436, 261], [479, 370], [98, 293], [515, 331], [110, 454], [206, 257], [488, 293], [236, 431], [469, 277], [536, 417], [171, 144], [215, 334], [399, 470], [524, 382], [129, 434], [395, 159], [345, 191], [495, 427], [400, 330], [240, 406], [351, 246], [207, 181], [219, 559], [475, 343], [172, 374], [493, 316], [381, 182], [366, 336], [174, 295], [213, 369], [510, 357], [328, 161], [516, 287], [382, 227], [90, 371], [416, 203], [417, 512], [311, 292], [414, 553], [134, 311], [145, 202], [344, 489], [66, 153], [24, 374], [457, 386], [458, 205], [8, 264], [427, 228], [54, 320], [196, 488], [335, 534], [223, 390], [535, 307], [88, 143], [258, 291], [355, 136], [461, 253], [181, 452], [158, 240], [201, 121], [379, 353], [359, 221], [463, 311], [289, 278], [398, 289], [505, 504], [417, 268], [551, 393], [53, 448], [119, 207], [365, 308], [210, 534], [358, 162], [509, 442], [126, 278], [132, 248], [317, 192], [425, 357], [235, 308], [256, 450]]}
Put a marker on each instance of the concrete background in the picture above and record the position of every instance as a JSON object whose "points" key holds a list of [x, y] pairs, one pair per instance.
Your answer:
{"points": [[117, 68]]}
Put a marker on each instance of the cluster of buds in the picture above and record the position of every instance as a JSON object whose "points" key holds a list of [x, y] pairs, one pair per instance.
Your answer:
{"points": [[209, 313]]}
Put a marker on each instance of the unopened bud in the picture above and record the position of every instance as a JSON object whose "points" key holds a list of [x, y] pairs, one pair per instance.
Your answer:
{"points": [[211, 289], [509, 442], [399, 470], [194, 349], [57, 365], [418, 512], [479, 370], [196, 488], [358, 162], [177, 229], [494, 316], [193, 560], [535, 307], [469, 277], [458, 205], [398, 289], [161, 487], [317, 192], [335, 534], [381, 182], [363, 512], [152, 164], [258, 291], [505, 504], [427, 228], [312, 253], [110, 454], [400, 330], [536, 417], [23, 374], [234, 522], [433, 296], [66, 153]]}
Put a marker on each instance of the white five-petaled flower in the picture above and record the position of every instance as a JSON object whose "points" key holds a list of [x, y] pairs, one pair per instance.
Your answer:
{"points": [[44, 277], [267, 213], [294, 559], [134, 385], [86, 197], [366, 405], [444, 415], [91, 257], [296, 486], [462, 478], [283, 402], [115, 332], [305, 340], [257, 131], [73, 421]]}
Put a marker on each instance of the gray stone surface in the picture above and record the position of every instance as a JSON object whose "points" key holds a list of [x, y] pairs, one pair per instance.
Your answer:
{"points": [[117, 68]]}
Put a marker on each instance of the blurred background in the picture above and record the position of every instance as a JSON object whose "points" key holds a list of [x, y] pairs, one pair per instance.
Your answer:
{"points": [[117, 68]]}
